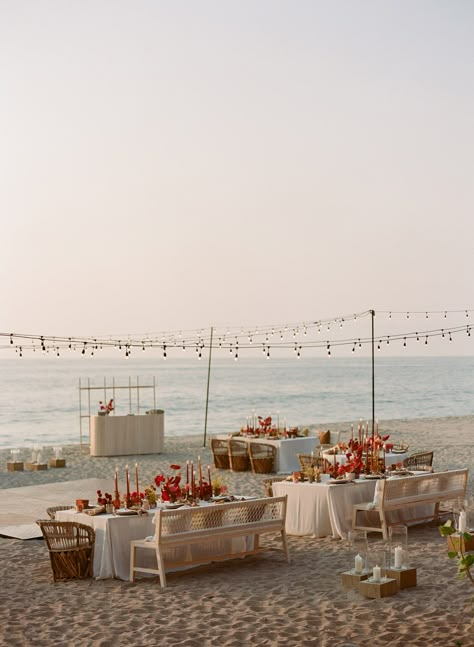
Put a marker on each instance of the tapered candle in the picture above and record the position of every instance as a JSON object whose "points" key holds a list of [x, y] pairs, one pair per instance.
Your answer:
{"points": [[200, 471], [194, 482], [127, 479], [352, 432], [187, 472], [209, 474], [115, 483], [136, 481]]}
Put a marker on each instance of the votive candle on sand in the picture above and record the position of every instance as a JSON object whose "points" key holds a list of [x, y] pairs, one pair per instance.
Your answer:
{"points": [[377, 573]]}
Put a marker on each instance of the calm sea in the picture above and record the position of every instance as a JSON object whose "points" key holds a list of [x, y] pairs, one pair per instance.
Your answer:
{"points": [[40, 398]]}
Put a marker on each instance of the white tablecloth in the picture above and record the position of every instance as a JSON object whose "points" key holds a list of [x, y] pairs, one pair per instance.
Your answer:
{"points": [[113, 535], [287, 450], [321, 509]]}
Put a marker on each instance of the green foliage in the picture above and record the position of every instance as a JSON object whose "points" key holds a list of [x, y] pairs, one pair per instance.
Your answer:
{"points": [[465, 560]]}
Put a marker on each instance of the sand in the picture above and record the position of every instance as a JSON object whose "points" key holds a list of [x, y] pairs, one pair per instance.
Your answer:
{"points": [[257, 601]]}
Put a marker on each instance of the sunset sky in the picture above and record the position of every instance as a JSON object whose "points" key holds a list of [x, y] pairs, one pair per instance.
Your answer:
{"points": [[169, 165]]}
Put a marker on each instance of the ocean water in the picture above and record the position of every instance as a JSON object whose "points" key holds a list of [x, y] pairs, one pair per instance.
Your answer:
{"points": [[40, 398]]}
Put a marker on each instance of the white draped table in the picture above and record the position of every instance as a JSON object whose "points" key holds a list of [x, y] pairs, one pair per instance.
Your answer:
{"points": [[287, 450], [322, 509], [113, 534]]}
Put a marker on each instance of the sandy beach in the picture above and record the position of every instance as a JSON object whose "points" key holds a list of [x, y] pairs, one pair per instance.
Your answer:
{"points": [[260, 600]]}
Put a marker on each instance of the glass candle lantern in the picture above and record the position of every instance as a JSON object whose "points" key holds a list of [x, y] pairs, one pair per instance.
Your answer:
{"points": [[398, 547], [58, 452], [357, 548], [377, 560]]}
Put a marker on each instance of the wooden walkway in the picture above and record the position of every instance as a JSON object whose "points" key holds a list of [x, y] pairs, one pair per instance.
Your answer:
{"points": [[20, 507]]}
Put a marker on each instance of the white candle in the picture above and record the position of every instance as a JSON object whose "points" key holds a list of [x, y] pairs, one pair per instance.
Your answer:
{"points": [[358, 564], [462, 521], [376, 573], [398, 556]]}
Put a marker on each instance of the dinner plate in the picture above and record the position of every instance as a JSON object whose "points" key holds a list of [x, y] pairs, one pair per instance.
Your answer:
{"points": [[124, 513], [338, 481], [172, 506], [373, 476]]}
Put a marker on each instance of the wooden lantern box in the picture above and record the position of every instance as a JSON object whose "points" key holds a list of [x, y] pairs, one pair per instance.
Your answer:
{"points": [[351, 580], [36, 467], [57, 462], [381, 589], [15, 466], [405, 577], [456, 541]]}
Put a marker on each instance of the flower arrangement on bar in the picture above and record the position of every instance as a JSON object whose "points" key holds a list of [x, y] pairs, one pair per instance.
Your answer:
{"points": [[105, 409]]}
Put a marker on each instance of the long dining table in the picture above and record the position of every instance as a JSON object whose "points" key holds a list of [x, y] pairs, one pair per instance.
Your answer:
{"points": [[287, 449], [113, 534]]}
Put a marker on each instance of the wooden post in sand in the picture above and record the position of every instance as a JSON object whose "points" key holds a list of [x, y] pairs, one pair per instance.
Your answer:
{"points": [[207, 393]]}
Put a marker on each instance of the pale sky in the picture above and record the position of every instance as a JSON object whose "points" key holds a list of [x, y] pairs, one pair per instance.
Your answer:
{"points": [[169, 165]]}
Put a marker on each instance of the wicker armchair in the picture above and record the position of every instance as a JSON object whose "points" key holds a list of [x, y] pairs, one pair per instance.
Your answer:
{"points": [[262, 457], [268, 483], [71, 548], [220, 453], [420, 461], [318, 461], [239, 460], [51, 512]]}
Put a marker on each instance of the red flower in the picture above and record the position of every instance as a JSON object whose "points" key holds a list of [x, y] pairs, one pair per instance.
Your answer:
{"points": [[175, 467], [159, 479]]}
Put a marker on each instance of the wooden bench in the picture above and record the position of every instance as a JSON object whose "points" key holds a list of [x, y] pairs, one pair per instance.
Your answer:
{"points": [[205, 525], [409, 492]]}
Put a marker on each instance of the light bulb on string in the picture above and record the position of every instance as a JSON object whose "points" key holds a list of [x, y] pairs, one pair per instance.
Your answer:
{"points": [[467, 314], [417, 338], [11, 339], [427, 315], [450, 338], [389, 315], [408, 315], [353, 348], [426, 340], [442, 332], [404, 342], [378, 345]]}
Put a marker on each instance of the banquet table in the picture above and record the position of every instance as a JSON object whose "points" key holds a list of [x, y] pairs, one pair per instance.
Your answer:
{"points": [[325, 509], [322, 509], [113, 534], [287, 450]]}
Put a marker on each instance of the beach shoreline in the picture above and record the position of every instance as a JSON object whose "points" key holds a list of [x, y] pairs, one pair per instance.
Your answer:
{"points": [[263, 600]]}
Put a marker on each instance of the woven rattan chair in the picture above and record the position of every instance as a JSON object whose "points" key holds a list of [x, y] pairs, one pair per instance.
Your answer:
{"points": [[71, 548], [239, 460], [52, 511], [220, 453], [318, 461], [262, 457], [420, 461], [268, 483]]}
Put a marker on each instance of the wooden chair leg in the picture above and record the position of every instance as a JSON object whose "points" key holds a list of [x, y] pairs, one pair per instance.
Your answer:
{"points": [[161, 568]]}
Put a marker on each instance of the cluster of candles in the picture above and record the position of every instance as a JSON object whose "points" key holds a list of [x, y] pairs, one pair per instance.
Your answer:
{"points": [[252, 421], [191, 481], [376, 571]]}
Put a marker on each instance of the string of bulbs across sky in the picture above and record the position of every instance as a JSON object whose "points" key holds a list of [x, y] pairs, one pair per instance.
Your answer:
{"points": [[299, 336]]}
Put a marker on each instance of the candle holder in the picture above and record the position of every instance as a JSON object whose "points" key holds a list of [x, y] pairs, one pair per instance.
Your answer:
{"points": [[358, 547], [398, 543]]}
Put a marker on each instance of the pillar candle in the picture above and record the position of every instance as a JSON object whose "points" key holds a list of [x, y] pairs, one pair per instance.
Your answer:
{"points": [[376, 573], [398, 556], [462, 521], [358, 564]]}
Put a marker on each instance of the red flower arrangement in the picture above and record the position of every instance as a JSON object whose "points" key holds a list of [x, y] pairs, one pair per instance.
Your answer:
{"points": [[107, 407], [170, 485], [103, 500]]}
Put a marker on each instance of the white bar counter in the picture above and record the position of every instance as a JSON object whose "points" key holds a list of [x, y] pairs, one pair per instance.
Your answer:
{"points": [[125, 435]]}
